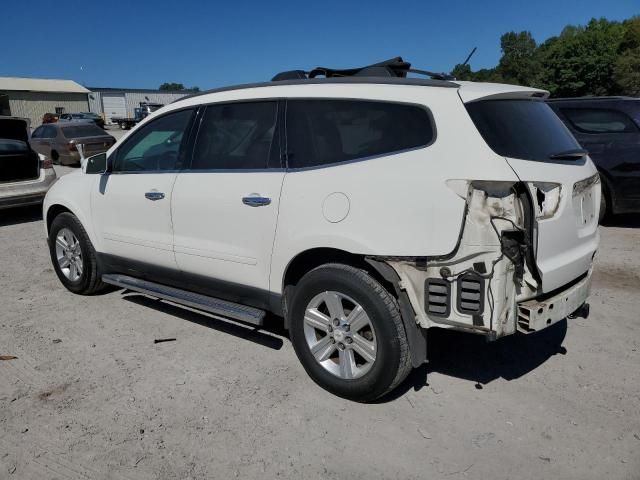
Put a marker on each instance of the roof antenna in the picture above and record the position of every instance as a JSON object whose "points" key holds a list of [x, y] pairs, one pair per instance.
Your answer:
{"points": [[469, 56]]}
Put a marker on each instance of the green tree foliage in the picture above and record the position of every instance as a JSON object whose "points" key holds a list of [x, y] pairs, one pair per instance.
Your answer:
{"points": [[171, 86], [601, 58]]}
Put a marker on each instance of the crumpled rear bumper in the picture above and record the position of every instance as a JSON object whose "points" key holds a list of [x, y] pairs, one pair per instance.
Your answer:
{"points": [[536, 314]]}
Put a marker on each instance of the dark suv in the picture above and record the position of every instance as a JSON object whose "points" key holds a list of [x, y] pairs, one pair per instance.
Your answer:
{"points": [[609, 128]]}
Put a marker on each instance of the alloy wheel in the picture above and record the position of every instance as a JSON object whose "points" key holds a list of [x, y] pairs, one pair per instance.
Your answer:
{"points": [[340, 335]]}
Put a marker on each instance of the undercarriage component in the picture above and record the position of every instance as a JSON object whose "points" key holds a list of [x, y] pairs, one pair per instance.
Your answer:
{"points": [[536, 314], [438, 297]]}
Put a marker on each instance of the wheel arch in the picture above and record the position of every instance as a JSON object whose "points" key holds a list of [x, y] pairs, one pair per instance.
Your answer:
{"points": [[307, 260], [53, 211], [312, 258]]}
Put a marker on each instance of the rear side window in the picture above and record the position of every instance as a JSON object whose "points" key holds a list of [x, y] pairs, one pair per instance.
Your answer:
{"points": [[81, 131], [236, 136], [49, 132], [599, 120], [524, 129], [323, 132]]}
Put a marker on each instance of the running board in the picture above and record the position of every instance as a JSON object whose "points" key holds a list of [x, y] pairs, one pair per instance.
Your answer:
{"points": [[223, 308]]}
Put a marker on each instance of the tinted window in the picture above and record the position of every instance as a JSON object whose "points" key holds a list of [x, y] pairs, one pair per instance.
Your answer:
{"points": [[524, 129], [37, 133], [236, 136], [80, 131], [156, 146], [322, 132], [49, 132], [598, 120]]}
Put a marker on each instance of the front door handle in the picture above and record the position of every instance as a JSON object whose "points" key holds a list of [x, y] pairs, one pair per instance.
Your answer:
{"points": [[154, 195], [256, 201]]}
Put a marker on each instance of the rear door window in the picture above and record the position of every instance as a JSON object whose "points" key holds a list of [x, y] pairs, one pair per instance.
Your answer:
{"points": [[237, 136], [80, 131], [49, 132], [522, 129], [324, 132], [599, 120]]}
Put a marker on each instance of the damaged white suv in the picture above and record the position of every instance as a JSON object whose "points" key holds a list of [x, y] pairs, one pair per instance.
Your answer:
{"points": [[363, 208]]}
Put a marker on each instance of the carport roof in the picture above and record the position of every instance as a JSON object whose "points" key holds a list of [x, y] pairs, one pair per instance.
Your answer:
{"points": [[40, 85]]}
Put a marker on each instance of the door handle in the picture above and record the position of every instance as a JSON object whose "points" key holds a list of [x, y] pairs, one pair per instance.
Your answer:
{"points": [[154, 195], [256, 201]]}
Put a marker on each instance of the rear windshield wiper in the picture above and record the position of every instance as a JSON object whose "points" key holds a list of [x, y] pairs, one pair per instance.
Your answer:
{"points": [[569, 154]]}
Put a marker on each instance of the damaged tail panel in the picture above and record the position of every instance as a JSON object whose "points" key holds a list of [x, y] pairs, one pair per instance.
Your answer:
{"points": [[490, 284]]}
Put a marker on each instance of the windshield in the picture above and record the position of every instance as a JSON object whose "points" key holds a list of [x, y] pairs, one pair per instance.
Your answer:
{"points": [[79, 131], [7, 145], [523, 129]]}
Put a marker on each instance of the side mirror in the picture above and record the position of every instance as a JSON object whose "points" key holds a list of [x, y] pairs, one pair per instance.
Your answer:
{"points": [[97, 164]]}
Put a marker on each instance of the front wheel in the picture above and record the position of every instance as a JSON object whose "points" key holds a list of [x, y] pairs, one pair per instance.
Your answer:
{"points": [[73, 256], [347, 332]]}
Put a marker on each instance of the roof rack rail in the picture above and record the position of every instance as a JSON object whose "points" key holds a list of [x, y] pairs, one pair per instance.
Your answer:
{"points": [[394, 67]]}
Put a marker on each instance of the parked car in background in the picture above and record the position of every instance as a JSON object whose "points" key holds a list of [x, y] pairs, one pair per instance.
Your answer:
{"points": [[50, 118], [93, 117], [337, 204], [25, 176], [609, 128], [59, 141]]}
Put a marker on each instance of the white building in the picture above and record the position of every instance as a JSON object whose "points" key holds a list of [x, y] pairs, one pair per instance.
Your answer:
{"points": [[33, 97]]}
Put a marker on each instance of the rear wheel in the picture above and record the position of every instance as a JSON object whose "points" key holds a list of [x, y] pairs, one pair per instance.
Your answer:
{"points": [[604, 205], [55, 157], [347, 332], [123, 126], [73, 256]]}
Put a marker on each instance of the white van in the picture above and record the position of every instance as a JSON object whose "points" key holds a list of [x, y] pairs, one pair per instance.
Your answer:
{"points": [[363, 209]]}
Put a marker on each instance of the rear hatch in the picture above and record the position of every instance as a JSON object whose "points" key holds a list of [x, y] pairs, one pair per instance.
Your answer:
{"points": [[562, 181], [93, 139], [17, 161]]}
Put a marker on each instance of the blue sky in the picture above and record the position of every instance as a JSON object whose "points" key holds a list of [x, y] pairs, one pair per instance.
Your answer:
{"points": [[143, 43]]}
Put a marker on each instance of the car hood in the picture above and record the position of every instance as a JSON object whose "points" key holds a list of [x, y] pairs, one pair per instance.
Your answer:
{"points": [[13, 128]]}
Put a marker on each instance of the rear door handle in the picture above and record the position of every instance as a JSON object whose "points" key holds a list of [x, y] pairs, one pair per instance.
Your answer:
{"points": [[256, 201], [154, 195]]}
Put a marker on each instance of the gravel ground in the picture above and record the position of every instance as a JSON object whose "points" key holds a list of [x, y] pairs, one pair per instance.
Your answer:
{"points": [[90, 396]]}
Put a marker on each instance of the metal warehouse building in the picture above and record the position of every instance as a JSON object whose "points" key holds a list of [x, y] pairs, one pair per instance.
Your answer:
{"points": [[33, 97], [120, 102]]}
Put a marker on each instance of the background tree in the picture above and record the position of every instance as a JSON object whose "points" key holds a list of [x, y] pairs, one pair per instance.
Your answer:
{"points": [[519, 63], [601, 58], [626, 70], [171, 86]]}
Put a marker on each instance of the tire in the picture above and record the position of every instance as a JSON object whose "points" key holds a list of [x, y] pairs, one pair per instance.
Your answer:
{"points": [[87, 281], [604, 206], [361, 379], [123, 126], [55, 158]]}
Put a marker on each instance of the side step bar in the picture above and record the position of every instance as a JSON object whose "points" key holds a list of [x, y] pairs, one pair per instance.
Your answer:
{"points": [[223, 308]]}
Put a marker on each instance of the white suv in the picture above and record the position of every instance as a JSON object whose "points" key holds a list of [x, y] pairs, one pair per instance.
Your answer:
{"points": [[363, 210]]}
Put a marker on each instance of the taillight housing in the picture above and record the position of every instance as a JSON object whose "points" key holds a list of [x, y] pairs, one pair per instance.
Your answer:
{"points": [[546, 198], [45, 162]]}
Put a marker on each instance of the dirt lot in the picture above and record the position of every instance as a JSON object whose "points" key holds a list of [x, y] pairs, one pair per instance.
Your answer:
{"points": [[91, 396]]}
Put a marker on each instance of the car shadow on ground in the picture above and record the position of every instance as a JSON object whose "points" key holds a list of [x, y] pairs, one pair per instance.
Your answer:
{"points": [[18, 215], [456, 354], [269, 335], [471, 357], [629, 220]]}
